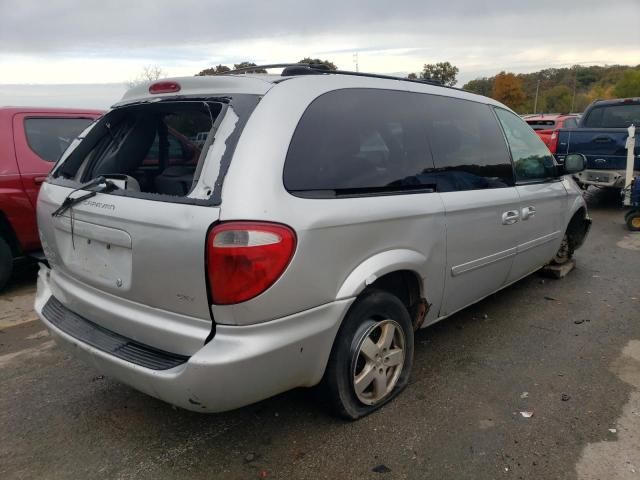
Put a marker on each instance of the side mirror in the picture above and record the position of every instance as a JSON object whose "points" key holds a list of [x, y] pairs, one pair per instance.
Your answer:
{"points": [[574, 163]]}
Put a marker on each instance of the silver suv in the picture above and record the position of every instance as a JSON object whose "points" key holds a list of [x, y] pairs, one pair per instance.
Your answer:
{"points": [[326, 217]]}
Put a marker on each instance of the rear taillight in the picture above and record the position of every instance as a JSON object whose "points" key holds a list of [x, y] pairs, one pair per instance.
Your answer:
{"points": [[246, 258], [553, 143]]}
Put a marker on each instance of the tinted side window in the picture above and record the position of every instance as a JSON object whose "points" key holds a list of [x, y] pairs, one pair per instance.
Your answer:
{"points": [[49, 137], [570, 123], [468, 147], [531, 158], [359, 141]]}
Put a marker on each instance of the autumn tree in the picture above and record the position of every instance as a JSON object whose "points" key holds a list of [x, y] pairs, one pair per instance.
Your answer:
{"points": [[507, 88], [600, 92], [629, 85], [214, 70], [442, 72], [330, 65]]}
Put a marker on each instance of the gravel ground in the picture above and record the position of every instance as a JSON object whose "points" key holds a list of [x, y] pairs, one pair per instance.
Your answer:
{"points": [[568, 351]]}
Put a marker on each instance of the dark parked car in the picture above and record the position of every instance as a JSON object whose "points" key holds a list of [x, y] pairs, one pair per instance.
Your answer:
{"points": [[601, 136]]}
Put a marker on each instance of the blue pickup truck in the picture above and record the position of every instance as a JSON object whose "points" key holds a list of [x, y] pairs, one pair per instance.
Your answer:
{"points": [[601, 137]]}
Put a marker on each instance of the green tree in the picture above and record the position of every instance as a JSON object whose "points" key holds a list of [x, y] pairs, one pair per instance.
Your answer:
{"points": [[249, 64], [329, 64], [442, 72], [558, 99], [629, 85], [481, 86], [412, 76], [214, 70], [507, 88]]}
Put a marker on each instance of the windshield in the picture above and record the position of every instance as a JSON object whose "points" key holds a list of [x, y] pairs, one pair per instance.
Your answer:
{"points": [[613, 116]]}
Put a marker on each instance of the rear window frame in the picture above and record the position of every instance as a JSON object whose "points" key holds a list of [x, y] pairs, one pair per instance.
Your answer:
{"points": [[242, 105]]}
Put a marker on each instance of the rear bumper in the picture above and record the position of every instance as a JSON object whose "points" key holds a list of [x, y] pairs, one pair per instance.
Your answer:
{"points": [[602, 178], [239, 366]]}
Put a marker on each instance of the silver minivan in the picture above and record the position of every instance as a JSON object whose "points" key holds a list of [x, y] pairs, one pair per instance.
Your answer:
{"points": [[326, 217]]}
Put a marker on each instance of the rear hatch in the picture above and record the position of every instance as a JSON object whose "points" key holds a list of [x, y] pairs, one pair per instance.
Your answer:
{"points": [[130, 255]]}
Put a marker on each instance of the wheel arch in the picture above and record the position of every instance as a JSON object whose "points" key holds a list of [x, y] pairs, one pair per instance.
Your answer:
{"points": [[394, 271], [578, 227]]}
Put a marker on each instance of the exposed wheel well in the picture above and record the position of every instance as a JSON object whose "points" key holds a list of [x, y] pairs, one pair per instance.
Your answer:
{"points": [[9, 236], [407, 286], [577, 229]]}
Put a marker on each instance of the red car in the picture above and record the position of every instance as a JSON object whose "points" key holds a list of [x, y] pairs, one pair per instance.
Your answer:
{"points": [[31, 141], [547, 126]]}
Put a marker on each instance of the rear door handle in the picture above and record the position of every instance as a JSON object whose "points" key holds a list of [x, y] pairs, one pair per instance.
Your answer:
{"points": [[510, 217], [528, 212]]}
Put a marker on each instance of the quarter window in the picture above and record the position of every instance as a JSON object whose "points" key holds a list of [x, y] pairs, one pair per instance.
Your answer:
{"points": [[468, 147], [359, 141], [531, 158]]}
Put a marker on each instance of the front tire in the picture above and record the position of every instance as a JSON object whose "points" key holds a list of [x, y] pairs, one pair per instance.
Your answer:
{"points": [[564, 253], [6, 263], [372, 355]]}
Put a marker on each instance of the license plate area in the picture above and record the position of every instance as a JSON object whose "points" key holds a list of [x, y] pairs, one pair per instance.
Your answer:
{"points": [[98, 255]]}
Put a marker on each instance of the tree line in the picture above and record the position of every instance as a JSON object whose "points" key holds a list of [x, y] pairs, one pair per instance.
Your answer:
{"points": [[559, 90], [224, 69]]}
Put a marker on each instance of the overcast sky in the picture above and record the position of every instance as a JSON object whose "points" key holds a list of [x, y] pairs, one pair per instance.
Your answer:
{"points": [[97, 42]]}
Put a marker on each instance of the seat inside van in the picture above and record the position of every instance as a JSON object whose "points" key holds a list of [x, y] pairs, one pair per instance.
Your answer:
{"points": [[153, 145]]}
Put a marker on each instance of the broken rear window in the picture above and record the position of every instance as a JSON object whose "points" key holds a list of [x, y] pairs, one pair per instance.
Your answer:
{"points": [[165, 150]]}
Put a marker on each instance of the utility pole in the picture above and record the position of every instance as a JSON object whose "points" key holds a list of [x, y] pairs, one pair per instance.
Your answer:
{"points": [[535, 103], [355, 60]]}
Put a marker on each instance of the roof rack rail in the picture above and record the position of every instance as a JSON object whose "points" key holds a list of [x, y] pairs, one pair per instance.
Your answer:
{"points": [[293, 69]]}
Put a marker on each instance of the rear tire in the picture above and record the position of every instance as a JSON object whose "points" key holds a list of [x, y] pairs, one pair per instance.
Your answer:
{"points": [[372, 355], [6, 263]]}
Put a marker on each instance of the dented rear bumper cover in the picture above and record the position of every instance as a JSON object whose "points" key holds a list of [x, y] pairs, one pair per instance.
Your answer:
{"points": [[239, 366]]}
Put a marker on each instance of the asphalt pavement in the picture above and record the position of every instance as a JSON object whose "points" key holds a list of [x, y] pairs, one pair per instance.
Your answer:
{"points": [[539, 381]]}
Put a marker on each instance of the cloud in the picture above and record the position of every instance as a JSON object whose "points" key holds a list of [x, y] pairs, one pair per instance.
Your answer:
{"points": [[50, 41], [33, 26]]}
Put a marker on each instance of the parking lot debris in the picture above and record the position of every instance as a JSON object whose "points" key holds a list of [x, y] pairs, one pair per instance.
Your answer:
{"points": [[263, 474], [526, 414], [613, 430], [565, 397], [579, 321], [552, 299], [249, 457], [99, 377], [381, 469], [524, 395]]}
